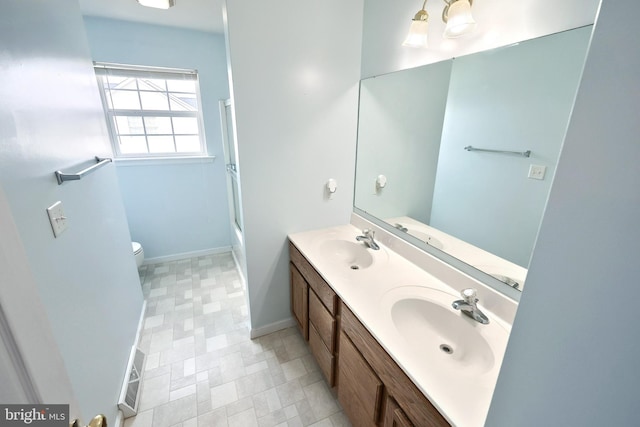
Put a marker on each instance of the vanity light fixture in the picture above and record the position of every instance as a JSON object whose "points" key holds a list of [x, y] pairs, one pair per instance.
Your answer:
{"points": [[456, 14], [158, 4], [417, 36]]}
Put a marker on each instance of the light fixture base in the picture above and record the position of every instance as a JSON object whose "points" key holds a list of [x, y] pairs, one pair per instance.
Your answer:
{"points": [[422, 15]]}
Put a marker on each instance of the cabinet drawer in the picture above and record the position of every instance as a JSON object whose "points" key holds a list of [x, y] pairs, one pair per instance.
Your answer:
{"points": [[326, 360], [315, 281], [299, 300], [359, 390], [323, 321]]}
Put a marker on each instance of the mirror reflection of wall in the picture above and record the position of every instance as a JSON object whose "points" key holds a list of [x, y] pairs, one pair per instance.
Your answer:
{"points": [[414, 125], [401, 116], [516, 98]]}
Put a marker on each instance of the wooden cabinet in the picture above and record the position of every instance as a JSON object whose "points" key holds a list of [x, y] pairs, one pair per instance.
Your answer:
{"points": [[394, 416], [315, 281], [360, 389], [372, 389], [316, 313], [413, 408]]}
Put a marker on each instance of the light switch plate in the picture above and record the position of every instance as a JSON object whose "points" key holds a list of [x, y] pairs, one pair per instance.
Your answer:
{"points": [[57, 219], [537, 171]]}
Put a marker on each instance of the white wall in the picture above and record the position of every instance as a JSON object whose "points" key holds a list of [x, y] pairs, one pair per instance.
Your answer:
{"points": [[573, 354], [499, 23], [51, 118], [295, 70], [399, 131]]}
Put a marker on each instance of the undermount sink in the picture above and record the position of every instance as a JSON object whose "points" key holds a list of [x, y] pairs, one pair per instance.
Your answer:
{"points": [[349, 254], [441, 335]]}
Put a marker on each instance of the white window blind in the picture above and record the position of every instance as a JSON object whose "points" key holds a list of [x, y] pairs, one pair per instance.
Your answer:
{"points": [[152, 112]]}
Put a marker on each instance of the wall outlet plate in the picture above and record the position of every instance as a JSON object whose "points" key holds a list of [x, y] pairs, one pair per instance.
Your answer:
{"points": [[537, 171], [57, 219]]}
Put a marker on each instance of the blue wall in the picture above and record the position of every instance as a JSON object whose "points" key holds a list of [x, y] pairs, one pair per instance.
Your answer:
{"points": [[573, 351], [515, 98], [173, 207]]}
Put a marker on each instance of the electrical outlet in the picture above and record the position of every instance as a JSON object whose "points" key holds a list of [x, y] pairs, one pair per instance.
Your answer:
{"points": [[537, 171], [57, 219]]}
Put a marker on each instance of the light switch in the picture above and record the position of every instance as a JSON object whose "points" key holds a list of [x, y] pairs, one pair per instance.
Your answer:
{"points": [[537, 171], [57, 219]]}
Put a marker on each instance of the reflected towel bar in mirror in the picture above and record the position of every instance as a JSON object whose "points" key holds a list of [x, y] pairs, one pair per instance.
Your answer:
{"points": [[62, 177], [517, 153]]}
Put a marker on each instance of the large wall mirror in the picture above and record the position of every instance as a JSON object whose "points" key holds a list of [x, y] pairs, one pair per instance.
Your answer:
{"points": [[422, 170]]}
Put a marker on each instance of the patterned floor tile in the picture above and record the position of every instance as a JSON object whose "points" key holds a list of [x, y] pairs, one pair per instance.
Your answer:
{"points": [[203, 370]]}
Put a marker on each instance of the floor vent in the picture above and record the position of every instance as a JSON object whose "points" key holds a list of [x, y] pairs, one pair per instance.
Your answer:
{"points": [[130, 394]]}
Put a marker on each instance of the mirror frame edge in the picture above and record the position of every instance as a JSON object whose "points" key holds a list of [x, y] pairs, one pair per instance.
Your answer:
{"points": [[450, 260]]}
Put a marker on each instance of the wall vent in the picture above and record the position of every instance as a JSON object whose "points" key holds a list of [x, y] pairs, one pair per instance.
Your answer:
{"points": [[130, 394]]}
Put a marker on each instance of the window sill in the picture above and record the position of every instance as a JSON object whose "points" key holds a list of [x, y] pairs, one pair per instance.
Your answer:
{"points": [[153, 161]]}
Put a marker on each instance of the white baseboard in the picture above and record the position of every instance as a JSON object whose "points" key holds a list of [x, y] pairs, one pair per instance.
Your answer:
{"points": [[186, 255], [272, 327], [140, 323]]}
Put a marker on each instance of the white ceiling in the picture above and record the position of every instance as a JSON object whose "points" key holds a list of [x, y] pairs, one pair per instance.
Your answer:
{"points": [[203, 15]]}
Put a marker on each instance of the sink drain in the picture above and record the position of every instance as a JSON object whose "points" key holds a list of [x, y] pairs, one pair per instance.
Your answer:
{"points": [[447, 349], [355, 267]]}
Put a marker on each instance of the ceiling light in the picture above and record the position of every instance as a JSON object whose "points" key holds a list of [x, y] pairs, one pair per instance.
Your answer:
{"points": [[158, 4], [417, 36], [457, 15]]}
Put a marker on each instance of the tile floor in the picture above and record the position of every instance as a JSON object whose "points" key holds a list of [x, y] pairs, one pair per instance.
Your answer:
{"points": [[202, 370]]}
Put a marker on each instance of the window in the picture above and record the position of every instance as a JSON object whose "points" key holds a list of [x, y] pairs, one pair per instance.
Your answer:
{"points": [[151, 112]]}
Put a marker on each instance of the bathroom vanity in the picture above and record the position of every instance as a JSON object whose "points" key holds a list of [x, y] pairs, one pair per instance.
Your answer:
{"points": [[381, 327]]}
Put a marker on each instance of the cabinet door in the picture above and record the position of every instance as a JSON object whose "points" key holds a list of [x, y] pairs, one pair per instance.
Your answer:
{"points": [[359, 389], [300, 301], [394, 416]]}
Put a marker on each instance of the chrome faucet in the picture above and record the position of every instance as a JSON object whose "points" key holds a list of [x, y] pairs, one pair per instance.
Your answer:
{"points": [[401, 227], [367, 238], [468, 306]]}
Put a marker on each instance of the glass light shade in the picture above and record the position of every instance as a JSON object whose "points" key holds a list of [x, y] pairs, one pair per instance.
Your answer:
{"points": [[158, 4], [459, 20], [417, 36]]}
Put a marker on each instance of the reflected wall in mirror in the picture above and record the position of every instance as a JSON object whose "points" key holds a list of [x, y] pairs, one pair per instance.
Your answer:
{"points": [[482, 208]]}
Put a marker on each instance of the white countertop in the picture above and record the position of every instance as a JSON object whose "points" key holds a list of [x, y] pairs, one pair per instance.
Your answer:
{"points": [[462, 397]]}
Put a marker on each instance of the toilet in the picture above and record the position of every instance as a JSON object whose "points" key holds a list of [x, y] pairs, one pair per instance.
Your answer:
{"points": [[138, 253]]}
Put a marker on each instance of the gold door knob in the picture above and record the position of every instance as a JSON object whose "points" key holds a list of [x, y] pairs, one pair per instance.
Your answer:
{"points": [[97, 421]]}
